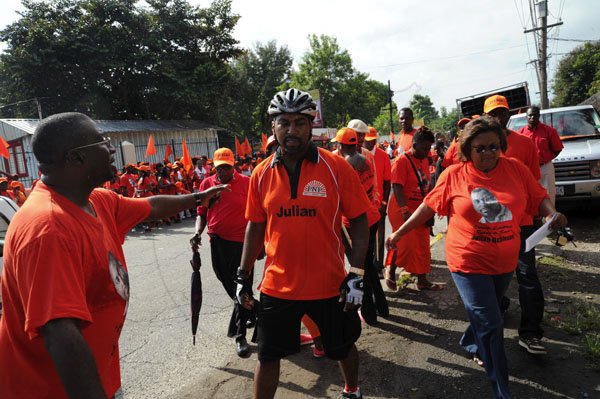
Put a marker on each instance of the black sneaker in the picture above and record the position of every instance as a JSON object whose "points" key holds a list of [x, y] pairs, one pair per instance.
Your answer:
{"points": [[351, 395], [532, 345], [241, 347]]}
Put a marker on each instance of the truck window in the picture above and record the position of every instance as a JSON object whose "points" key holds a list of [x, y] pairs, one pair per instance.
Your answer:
{"points": [[583, 122]]}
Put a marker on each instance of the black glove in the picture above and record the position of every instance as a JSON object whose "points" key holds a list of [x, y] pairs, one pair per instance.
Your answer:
{"points": [[351, 290], [243, 292]]}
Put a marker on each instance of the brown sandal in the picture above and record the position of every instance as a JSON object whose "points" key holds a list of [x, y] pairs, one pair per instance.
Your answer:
{"points": [[430, 287], [390, 282]]}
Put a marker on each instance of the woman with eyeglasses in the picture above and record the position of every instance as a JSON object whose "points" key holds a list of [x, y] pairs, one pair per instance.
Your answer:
{"points": [[485, 196]]}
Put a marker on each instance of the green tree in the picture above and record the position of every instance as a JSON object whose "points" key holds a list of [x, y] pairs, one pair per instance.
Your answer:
{"points": [[257, 75], [577, 76], [113, 59], [345, 93], [382, 121], [423, 108], [446, 122]]}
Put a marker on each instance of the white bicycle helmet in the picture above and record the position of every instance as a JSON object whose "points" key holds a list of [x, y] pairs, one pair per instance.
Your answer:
{"points": [[292, 101]]}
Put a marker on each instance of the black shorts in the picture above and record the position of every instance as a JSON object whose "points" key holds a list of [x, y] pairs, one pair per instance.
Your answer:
{"points": [[278, 326]]}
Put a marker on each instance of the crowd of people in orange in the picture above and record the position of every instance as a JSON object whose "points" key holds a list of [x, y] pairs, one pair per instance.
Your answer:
{"points": [[268, 205]]}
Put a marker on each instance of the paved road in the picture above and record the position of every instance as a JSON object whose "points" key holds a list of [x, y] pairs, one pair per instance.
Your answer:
{"points": [[157, 356]]}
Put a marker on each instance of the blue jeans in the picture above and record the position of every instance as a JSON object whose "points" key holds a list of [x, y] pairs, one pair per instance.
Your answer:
{"points": [[481, 295], [531, 295]]}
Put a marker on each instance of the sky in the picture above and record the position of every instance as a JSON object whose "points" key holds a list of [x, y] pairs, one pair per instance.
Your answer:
{"points": [[446, 49]]}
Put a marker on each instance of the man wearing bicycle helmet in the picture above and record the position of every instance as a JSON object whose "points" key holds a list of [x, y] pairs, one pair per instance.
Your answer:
{"points": [[295, 204]]}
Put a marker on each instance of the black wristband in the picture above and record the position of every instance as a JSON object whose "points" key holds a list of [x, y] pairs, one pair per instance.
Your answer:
{"points": [[242, 274], [198, 198]]}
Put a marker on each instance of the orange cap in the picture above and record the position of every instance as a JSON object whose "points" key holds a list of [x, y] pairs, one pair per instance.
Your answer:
{"points": [[345, 136], [144, 168], [223, 156], [461, 123], [372, 135], [15, 183], [475, 116], [493, 102], [3, 179]]}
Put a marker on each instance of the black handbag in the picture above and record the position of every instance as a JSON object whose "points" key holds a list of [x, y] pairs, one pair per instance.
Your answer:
{"points": [[430, 222]]}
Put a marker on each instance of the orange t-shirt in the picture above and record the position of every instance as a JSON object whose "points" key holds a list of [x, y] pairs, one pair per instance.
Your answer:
{"points": [[60, 262], [405, 140], [303, 243], [485, 241], [367, 180], [383, 170], [404, 175], [451, 156]]}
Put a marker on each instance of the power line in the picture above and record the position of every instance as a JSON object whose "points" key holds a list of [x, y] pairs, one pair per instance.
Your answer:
{"points": [[443, 58]]}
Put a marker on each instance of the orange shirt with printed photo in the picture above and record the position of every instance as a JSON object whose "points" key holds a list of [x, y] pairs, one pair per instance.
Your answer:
{"points": [[61, 262], [303, 244], [486, 242]]}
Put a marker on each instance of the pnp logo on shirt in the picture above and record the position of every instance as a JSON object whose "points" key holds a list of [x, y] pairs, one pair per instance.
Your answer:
{"points": [[314, 188]]}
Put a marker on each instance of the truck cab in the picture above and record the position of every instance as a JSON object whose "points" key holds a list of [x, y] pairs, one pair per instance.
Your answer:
{"points": [[577, 167]]}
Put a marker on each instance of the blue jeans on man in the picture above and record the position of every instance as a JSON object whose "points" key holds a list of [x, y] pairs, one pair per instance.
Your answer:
{"points": [[484, 337]]}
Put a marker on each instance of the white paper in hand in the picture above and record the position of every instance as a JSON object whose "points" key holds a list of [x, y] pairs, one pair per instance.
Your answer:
{"points": [[538, 235]]}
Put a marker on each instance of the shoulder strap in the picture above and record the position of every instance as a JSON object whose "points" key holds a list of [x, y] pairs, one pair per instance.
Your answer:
{"points": [[417, 175]]}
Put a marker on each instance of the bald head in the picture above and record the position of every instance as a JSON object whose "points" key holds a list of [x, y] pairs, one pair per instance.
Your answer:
{"points": [[57, 134]]}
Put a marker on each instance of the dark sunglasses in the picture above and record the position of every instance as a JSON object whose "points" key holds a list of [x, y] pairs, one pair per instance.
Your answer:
{"points": [[105, 141], [486, 148]]}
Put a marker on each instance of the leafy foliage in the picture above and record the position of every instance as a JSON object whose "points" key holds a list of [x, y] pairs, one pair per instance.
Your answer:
{"points": [[112, 59], [257, 74], [578, 75], [345, 93], [423, 108]]}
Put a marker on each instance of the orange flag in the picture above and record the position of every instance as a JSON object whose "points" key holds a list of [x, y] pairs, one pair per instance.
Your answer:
{"points": [[238, 148], [4, 148], [168, 152], [150, 149], [263, 143], [246, 147], [186, 158]]}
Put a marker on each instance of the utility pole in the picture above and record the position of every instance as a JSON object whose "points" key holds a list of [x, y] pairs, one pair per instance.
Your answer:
{"points": [[541, 9], [39, 108], [390, 94]]}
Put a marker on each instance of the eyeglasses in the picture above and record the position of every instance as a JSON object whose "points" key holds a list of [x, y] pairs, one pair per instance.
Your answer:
{"points": [[486, 148], [105, 141]]}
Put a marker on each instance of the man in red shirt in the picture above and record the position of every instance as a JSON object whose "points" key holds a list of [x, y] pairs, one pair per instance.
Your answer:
{"points": [[548, 144], [408, 131], [226, 227], [383, 169], [65, 287], [531, 295], [296, 201]]}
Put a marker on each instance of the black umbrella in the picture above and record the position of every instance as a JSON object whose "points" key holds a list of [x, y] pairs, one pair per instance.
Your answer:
{"points": [[196, 293]]}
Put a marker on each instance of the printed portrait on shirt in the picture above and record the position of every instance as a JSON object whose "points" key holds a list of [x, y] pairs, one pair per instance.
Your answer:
{"points": [[488, 206], [119, 277]]}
